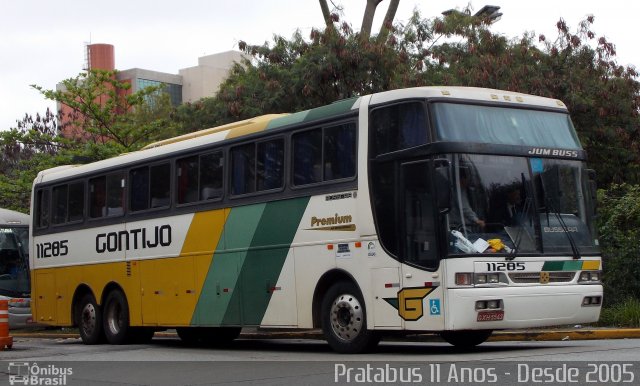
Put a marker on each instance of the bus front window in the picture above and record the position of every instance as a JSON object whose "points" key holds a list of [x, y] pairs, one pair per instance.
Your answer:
{"points": [[14, 271], [508, 204], [491, 206]]}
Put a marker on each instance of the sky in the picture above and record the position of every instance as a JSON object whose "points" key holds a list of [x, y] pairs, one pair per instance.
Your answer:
{"points": [[43, 42]]}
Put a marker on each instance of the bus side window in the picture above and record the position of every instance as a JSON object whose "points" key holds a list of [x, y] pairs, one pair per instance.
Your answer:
{"points": [[270, 168], [399, 127], [339, 152], [139, 196], [211, 176], [187, 179], [307, 157], [59, 201], [42, 212], [76, 202], [97, 197], [243, 169], [160, 185], [115, 194]]}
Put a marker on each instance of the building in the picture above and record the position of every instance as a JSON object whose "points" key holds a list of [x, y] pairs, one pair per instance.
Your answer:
{"points": [[189, 85]]}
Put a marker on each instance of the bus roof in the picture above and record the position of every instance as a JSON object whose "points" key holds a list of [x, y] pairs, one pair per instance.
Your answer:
{"points": [[274, 121], [11, 217], [468, 93]]}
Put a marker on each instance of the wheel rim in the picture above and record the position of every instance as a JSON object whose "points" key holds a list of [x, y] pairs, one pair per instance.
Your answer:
{"points": [[114, 315], [346, 317], [89, 323]]}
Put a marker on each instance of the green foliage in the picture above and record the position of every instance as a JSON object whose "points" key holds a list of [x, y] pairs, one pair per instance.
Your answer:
{"points": [[619, 231], [35, 145], [578, 68], [626, 313], [103, 110], [106, 118]]}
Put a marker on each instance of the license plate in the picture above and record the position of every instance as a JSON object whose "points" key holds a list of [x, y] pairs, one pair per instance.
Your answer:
{"points": [[490, 316]]}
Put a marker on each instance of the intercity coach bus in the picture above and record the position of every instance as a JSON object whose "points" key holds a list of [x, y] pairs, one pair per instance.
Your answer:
{"points": [[435, 209]]}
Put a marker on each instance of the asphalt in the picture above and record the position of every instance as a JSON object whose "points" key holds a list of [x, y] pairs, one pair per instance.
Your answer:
{"points": [[586, 333]]}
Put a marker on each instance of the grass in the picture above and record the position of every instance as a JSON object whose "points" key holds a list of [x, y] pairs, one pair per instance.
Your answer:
{"points": [[623, 314]]}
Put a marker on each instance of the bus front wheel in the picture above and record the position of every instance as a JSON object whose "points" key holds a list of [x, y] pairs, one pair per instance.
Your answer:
{"points": [[344, 320], [116, 318], [466, 339], [89, 320]]}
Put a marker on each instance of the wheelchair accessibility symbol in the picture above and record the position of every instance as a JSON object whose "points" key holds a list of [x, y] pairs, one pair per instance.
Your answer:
{"points": [[434, 306]]}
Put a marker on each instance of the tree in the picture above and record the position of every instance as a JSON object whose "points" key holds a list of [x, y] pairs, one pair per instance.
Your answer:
{"points": [[35, 145], [109, 122], [578, 68], [103, 110]]}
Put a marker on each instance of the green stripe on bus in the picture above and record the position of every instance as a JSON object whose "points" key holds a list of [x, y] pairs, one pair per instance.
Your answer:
{"points": [[221, 282], [287, 120], [333, 109], [323, 112], [562, 266], [265, 258]]}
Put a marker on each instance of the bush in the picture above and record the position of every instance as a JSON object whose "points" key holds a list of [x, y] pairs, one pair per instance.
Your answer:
{"points": [[623, 314], [619, 233]]}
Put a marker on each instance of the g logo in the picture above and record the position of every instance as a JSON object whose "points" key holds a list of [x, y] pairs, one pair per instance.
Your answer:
{"points": [[409, 302]]}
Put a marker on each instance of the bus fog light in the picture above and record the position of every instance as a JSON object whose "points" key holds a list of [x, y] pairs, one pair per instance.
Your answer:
{"points": [[493, 304], [481, 305], [592, 301]]}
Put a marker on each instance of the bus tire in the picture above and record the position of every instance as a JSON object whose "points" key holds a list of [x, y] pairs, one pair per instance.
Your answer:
{"points": [[466, 339], [116, 318], [89, 320], [344, 320]]}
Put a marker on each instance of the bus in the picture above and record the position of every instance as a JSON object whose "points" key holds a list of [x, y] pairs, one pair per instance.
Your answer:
{"points": [[452, 210], [14, 266]]}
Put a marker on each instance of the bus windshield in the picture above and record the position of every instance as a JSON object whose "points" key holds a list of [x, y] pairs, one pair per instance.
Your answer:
{"points": [[502, 125], [532, 205], [14, 270]]}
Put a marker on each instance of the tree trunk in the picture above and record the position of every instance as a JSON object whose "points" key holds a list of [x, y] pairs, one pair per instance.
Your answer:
{"points": [[388, 20], [367, 20], [326, 13]]}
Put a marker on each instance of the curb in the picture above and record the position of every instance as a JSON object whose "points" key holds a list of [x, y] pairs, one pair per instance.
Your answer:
{"points": [[498, 336]]}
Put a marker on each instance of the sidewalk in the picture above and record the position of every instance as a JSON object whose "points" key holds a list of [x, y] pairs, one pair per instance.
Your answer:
{"points": [[588, 333]]}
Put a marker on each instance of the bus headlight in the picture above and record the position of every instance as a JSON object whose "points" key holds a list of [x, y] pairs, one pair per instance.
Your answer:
{"points": [[589, 277]]}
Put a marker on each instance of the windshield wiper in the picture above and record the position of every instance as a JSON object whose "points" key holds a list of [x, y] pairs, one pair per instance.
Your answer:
{"points": [[565, 229], [525, 210]]}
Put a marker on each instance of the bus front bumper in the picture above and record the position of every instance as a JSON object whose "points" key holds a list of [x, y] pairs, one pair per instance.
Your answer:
{"points": [[522, 307]]}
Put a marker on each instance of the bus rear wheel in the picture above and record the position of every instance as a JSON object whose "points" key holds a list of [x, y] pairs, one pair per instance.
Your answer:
{"points": [[116, 318], [344, 320], [89, 320], [466, 339]]}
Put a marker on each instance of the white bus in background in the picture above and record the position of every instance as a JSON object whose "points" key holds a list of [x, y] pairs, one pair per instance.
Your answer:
{"points": [[15, 283]]}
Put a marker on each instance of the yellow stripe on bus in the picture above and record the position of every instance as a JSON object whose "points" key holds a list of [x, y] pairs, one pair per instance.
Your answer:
{"points": [[591, 265]]}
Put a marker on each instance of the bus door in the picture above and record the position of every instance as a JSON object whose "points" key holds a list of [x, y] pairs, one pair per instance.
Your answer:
{"points": [[420, 299]]}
